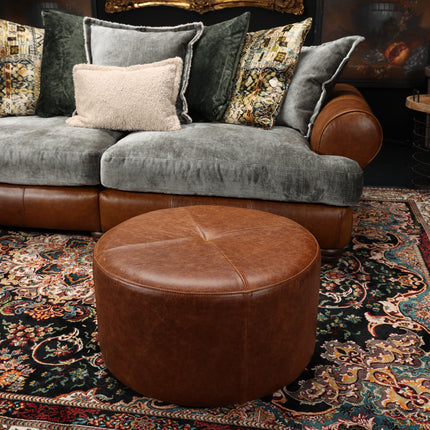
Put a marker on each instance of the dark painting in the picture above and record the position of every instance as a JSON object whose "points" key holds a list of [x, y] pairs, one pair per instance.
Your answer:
{"points": [[397, 32]]}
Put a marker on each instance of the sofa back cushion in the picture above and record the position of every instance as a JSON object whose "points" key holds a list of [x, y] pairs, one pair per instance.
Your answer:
{"points": [[317, 71], [266, 66], [114, 44], [63, 48], [215, 60]]}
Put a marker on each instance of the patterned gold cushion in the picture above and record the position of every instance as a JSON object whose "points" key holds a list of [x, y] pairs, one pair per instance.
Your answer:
{"points": [[20, 58], [266, 66]]}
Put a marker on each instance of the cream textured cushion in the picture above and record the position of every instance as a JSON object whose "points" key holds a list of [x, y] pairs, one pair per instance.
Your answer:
{"points": [[140, 97]]}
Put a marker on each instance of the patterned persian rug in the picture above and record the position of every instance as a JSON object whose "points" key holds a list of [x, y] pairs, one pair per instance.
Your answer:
{"points": [[370, 369]]}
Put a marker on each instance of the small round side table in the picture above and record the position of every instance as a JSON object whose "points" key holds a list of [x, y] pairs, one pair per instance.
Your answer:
{"points": [[420, 104]]}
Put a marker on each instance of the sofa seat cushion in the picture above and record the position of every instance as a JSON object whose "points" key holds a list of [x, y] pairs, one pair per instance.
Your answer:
{"points": [[47, 151], [229, 160]]}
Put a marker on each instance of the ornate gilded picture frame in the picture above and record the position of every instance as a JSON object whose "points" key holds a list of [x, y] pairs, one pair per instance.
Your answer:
{"points": [[295, 7]]}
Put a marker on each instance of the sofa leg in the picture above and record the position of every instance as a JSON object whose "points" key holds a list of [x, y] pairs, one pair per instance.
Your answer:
{"points": [[331, 255], [96, 235]]}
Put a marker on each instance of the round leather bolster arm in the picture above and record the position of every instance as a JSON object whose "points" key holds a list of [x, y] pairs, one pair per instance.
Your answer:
{"points": [[346, 126]]}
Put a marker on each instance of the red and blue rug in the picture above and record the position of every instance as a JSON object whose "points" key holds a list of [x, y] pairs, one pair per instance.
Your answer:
{"points": [[370, 369]]}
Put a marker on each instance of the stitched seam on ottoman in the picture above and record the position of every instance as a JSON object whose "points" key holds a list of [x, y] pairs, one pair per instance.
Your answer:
{"points": [[203, 236], [239, 273], [245, 229], [196, 225], [145, 244]]}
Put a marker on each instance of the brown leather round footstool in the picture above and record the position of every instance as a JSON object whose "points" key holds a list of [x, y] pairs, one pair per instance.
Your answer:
{"points": [[207, 305]]}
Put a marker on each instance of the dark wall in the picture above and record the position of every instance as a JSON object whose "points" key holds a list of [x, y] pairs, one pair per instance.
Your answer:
{"points": [[388, 105]]}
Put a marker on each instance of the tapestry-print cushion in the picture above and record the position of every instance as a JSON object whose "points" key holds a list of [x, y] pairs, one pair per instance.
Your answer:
{"points": [[20, 57], [115, 44], [63, 48], [265, 69], [141, 97], [316, 74], [215, 60]]}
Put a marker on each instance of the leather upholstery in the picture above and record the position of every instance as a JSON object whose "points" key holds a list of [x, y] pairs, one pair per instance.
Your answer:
{"points": [[331, 225], [207, 305], [71, 208], [347, 127]]}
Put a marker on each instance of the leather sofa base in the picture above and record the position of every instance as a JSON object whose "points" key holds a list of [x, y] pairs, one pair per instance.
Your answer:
{"points": [[58, 208], [331, 225], [97, 210]]}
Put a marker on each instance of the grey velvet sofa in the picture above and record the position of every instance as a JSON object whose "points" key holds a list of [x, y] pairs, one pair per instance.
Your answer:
{"points": [[301, 153], [59, 177]]}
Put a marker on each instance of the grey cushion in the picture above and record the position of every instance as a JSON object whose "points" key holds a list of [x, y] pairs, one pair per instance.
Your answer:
{"points": [[114, 44], [229, 160], [46, 151], [316, 73], [63, 47]]}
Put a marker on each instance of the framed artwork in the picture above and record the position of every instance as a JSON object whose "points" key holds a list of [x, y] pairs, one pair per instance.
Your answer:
{"points": [[396, 49], [201, 6]]}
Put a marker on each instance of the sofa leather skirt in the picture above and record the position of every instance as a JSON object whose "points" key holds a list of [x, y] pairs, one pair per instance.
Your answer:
{"points": [[331, 225], [97, 210]]}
